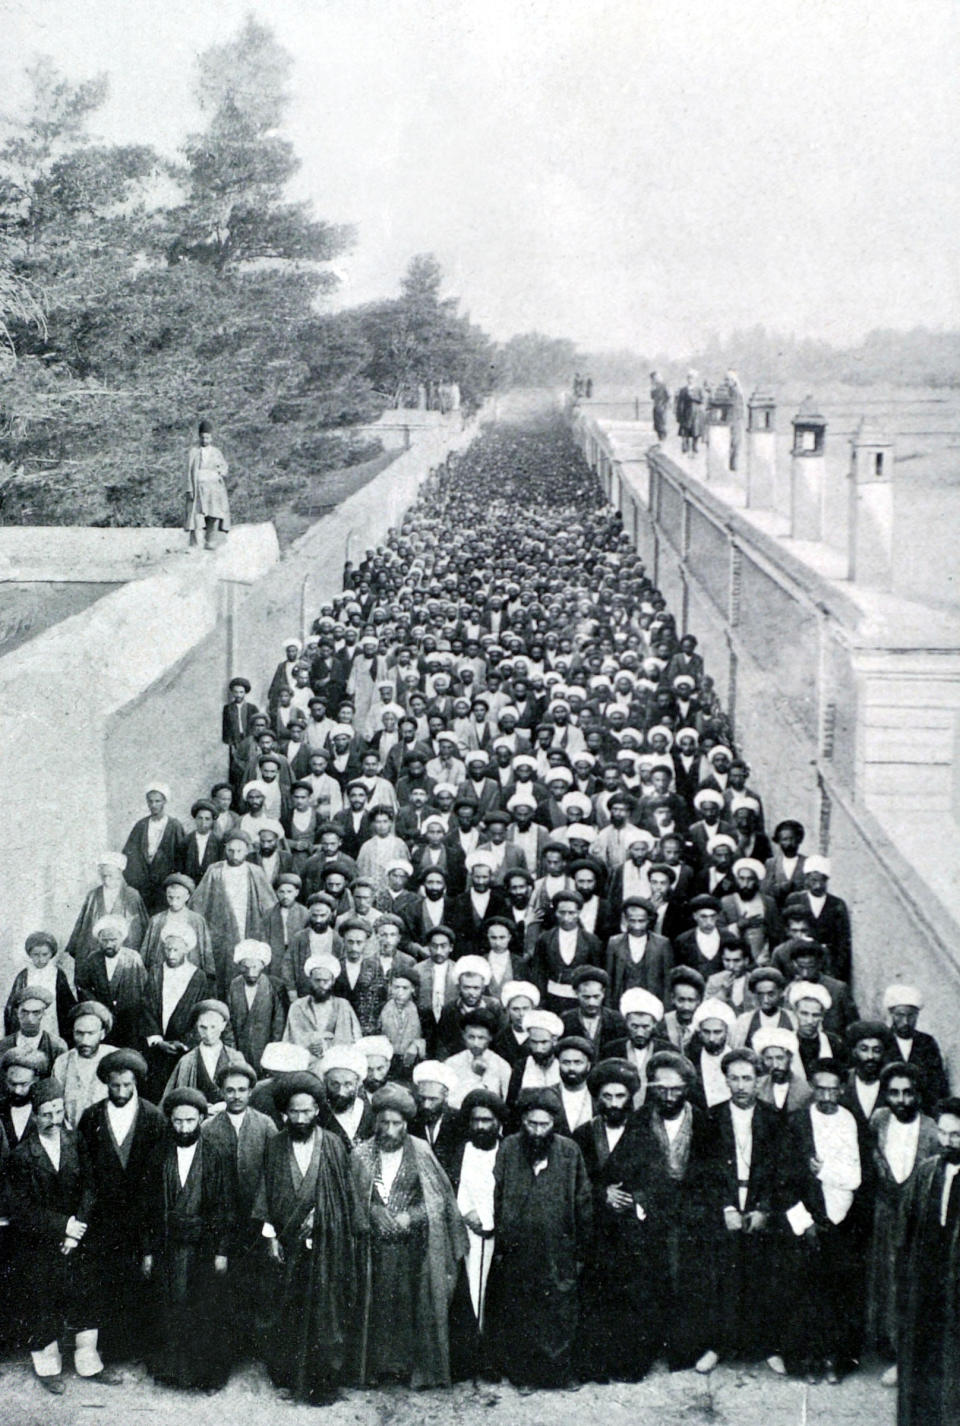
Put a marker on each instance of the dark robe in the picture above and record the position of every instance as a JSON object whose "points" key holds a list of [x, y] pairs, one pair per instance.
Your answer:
{"points": [[147, 874], [445, 1137], [83, 944], [122, 1227], [178, 1030], [675, 1217], [619, 1322], [211, 901], [192, 864], [741, 1261], [54, 1293], [201, 955], [314, 1292], [278, 940], [122, 994], [256, 1026], [928, 1302], [408, 1275], [243, 1156], [543, 1230], [888, 1197], [194, 1226], [65, 1001]]}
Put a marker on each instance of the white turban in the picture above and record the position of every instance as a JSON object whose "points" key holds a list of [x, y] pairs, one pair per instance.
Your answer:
{"points": [[179, 932], [344, 1057], [110, 923], [742, 799], [900, 995], [722, 840], [322, 962], [750, 864], [512, 989], [820, 864], [160, 787], [664, 731], [558, 774], [581, 832], [399, 864], [473, 965], [524, 760], [779, 1038], [577, 802], [809, 990], [433, 1072], [638, 834], [637, 1001], [543, 1020], [375, 1047], [256, 785], [252, 951], [281, 1058], [480, 858], [707, 795], [269, 824], [714, 1010], [116, 859], [521, 799]]}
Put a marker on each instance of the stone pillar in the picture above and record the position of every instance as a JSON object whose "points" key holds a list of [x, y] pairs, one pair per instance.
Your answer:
{"points": [[718, 434], [807, 473], [761, 450], [870, 527]]}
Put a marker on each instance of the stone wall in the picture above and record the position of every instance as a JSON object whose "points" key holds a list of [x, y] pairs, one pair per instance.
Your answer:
{"points": [[132, 688], [845, 701]]}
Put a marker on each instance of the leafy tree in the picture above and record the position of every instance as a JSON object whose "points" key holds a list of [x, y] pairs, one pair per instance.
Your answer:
{"points": [[532, 359], [420, 338]]}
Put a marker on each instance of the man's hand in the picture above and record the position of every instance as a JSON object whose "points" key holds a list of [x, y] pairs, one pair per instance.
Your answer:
{"points": [[220, 1265], [754, 1222], [815, 1164], [274, 1250], [733, 1220], [472, 1220], [146, 1267], [617, 1199], [68, 1246], [75, 1229], [811, 1237]]}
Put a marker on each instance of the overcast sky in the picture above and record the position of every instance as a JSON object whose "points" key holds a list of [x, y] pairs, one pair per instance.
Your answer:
{"points": [[623, 172]]}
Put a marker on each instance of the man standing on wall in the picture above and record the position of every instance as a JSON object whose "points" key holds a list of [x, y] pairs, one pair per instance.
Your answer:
{"points": [[208, 509]]}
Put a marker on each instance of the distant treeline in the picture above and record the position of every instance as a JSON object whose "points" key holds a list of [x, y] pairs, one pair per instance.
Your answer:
{"points": [[916, 358]]}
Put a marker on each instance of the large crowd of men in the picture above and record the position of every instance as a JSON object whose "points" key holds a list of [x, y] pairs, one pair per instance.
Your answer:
{"points": [[481, 1024]]}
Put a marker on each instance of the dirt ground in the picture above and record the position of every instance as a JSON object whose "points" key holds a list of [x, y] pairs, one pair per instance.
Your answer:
{"points": [[729, 1397]]}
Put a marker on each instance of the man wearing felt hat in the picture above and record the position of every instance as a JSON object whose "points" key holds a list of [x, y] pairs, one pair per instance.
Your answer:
{"points": [[177, 890], [764, 1008], [32, 1003], [189, 1258], [207, 508], [153, 847], [412, 1242], [592, 1019], [50, 1196], [471, 1175], [784, 869], [41, 968], [242, 1134], [306, 1205], [831, 918], [76, 1068], [234, 898], [124, 1136], [214, 1051]]}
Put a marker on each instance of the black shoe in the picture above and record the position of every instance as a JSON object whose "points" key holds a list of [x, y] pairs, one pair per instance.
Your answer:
{"points": [[54, 1384]]}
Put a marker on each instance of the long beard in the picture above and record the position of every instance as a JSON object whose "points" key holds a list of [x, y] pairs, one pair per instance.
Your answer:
{"points": [[183, 1141], [572, 1081], [300, 1132], [320, 995], [613, 1115], [484, 1138], [905, 1113], [538, 1149]]}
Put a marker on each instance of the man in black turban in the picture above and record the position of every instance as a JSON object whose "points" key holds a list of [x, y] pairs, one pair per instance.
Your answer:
{"points": [[189, 1261]]}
